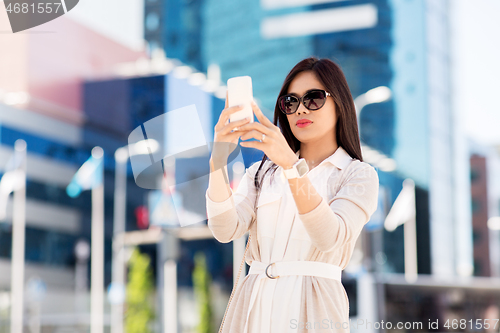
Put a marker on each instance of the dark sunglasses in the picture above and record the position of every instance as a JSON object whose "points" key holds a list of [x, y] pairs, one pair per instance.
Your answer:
{"points": [[313, 100]]}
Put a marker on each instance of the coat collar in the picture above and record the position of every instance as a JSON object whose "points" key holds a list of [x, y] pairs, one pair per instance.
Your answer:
{"points": [[340, 158]]}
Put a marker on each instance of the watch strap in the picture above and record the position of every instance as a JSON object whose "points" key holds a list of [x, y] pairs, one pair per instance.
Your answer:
{"points": [[298, 170]]}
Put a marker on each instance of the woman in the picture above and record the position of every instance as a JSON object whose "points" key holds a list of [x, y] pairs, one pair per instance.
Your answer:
{"points": [[303, 222]]}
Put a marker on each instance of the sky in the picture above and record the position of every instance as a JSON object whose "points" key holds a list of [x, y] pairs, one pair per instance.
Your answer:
{"points": [[120, 20], [476, 67]]}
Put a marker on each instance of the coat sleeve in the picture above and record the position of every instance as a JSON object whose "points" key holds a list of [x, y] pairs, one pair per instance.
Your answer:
{"points": [[230, 219], [333, 224]]}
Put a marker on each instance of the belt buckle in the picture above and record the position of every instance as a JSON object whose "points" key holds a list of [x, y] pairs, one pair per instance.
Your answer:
{"points": [[267, 274]]}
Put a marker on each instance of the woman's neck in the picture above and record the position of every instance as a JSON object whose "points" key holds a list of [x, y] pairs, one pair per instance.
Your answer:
{"points": [[314, 154]]}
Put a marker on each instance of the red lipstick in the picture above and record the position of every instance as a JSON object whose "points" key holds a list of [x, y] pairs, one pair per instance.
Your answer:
{"points": [[303, 123]]}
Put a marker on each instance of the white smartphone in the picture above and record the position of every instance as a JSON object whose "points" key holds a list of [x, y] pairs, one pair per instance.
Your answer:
{"points": [[240, 92]]}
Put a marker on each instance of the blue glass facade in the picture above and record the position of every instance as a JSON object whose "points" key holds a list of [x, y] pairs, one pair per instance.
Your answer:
{"points": [[364, 57], [184, 31], [409, 59], [42, 246], [55, 247], [112, 108], [231, 38], [109, 119], [50, 247], [363, 54], [120, 106]]}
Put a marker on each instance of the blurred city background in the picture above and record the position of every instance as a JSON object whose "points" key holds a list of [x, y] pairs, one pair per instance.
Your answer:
{"points": [[113, 258]]}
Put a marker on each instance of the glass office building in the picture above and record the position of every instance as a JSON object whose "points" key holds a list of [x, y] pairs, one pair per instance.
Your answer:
{"points": [[249, 48], [56, 149], [119, 106], [55, 221], [400, 44], [403, 45], [199, 34]]}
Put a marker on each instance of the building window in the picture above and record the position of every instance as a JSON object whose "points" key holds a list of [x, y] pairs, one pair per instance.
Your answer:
{"points": [[477, 268], [153, 45], [152, 21], [476, 236], [476, 206], [474, 175]]}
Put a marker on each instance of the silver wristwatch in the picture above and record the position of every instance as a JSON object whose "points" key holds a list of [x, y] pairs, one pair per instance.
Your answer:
{"points": [[298, 170]]}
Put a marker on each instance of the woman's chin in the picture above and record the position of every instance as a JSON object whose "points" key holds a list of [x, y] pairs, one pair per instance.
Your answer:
{"points": [[304, 138]]}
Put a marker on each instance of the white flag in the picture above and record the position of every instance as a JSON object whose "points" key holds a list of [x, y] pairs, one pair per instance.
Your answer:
{"points": [[13, 179], [88, 176], [403, 209]]}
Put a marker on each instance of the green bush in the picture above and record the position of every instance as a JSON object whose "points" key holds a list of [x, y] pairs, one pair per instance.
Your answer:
{"points": [[201, 283], [139, 312]]}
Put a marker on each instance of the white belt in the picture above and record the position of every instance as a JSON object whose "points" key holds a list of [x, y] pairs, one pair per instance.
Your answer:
{"points": [[308, 268], [278, 269]]}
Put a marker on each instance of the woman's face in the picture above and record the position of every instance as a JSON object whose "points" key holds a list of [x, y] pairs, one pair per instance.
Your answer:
{"points": [[324, 120]]}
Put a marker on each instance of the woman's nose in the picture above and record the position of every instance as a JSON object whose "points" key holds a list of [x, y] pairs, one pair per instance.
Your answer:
{"points": [[302, 109]]}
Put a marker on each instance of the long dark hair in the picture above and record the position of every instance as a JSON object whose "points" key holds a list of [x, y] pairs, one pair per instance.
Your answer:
{"points": [[331, 76]]}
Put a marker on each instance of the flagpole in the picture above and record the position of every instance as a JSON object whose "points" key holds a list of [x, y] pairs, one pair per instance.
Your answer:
{"points": [[170, 255], [404, 211], [410, 239], [119, 217], [97, 250], [18, 242]]}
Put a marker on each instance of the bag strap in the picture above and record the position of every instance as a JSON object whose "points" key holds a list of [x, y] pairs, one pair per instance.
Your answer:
{"points": [[236, 283]]}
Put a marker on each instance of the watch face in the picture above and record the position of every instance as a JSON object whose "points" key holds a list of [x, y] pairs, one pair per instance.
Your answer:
{"points": [[302, 168], [299, 169]]}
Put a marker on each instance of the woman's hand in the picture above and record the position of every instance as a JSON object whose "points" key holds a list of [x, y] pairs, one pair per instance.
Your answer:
{"points": [[226, 134], [274, 145]]}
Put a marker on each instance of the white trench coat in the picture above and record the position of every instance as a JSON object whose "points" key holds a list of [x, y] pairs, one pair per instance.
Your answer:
{"points": [[328, 233]]}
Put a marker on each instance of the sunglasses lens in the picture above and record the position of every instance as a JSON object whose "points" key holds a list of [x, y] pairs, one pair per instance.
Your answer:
{"points": [[288, 104], [315, 99]]}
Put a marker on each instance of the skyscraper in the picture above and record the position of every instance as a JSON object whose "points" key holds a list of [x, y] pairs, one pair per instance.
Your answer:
{"points": [[404, 45]]}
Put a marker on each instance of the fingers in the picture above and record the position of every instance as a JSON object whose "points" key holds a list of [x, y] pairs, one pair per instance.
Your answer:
{"points": [[233, 109], [226, 121], [257, 126], [253, 144], [252, 134], [224, 116], [233, 137], [234, 126], [260, 116], [230, 137]]}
